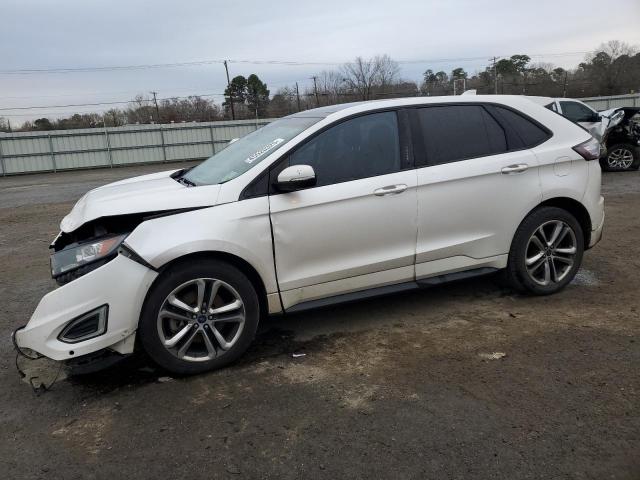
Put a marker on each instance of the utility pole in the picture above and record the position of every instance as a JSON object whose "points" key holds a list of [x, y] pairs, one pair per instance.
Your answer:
{"points": [[495, 73], [9, 122], [298, 96], [315, 89], [155, 100], [564, 87], [233, 113]]}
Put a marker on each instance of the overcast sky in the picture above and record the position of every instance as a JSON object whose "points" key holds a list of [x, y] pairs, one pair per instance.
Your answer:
{"points": [[37, 34]]}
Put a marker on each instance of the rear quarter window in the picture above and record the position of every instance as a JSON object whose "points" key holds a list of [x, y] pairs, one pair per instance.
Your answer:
{"points": [[523, 133]]}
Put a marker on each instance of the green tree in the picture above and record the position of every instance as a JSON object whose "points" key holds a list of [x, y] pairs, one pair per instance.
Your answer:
{"points": [[516, 64], [236, 91], [505, 67], [442, 77], [429, 76], [257, 95], [520, 62], [42, 124], [458, 73], [249, 95]]}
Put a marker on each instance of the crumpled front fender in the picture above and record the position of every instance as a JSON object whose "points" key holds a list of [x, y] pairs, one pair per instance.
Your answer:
{"points": [[122, 284]]}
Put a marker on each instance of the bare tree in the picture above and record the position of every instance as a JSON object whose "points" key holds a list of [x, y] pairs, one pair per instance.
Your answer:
{"points": [[283, 102], [387, 72], [360, 76], [615, 49], [331, 86], [367, 77]]}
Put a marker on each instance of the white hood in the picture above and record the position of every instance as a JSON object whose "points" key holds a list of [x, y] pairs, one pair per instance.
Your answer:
{"points": [[147, 193]]}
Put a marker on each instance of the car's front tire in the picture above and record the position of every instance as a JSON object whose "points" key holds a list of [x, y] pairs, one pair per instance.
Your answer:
{"points": [[621, 157], [546, 252], [199, 316]]}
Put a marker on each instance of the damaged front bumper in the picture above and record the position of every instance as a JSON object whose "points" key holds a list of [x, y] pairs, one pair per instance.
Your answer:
{"points": [[121, 285]]}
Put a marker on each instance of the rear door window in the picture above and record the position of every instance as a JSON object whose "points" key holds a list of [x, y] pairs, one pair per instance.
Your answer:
{"points": [[457, 132]]}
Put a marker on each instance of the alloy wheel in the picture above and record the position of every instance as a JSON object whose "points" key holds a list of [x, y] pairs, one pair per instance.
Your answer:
{"points": [[201, 319], [551, 252], [620, 158]]}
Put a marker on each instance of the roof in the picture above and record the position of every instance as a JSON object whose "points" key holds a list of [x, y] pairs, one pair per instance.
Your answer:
{"points": [[542, 100], [322, 112], [345, 109]]}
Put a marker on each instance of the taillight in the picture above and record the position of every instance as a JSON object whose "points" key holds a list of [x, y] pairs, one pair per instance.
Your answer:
{"points": [[589, 150]]}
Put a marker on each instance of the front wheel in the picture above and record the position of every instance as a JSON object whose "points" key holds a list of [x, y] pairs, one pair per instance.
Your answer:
{"points": [[546, 251], [199, 316]]}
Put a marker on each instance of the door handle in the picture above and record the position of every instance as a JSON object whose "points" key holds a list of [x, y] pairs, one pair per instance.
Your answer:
{"points": [[517, 168], [390, 190]]}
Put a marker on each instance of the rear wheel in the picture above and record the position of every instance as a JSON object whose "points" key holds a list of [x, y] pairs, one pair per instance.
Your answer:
{"points": [[546, 251], [199, 317], [621, 157]]}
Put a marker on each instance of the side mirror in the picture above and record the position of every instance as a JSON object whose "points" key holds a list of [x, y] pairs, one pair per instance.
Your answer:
{"points": [[596, 118], [295, 178]]}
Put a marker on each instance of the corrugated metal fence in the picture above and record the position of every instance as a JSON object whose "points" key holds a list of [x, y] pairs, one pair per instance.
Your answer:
{"points": [[605, 103], [28, 152]]}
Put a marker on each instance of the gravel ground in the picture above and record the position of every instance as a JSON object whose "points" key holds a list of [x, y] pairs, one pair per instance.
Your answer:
{"points": [[407, 386]]}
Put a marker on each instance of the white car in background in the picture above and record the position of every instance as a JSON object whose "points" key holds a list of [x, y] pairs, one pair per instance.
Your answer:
{"points": [[327, 205], [599, 124]]}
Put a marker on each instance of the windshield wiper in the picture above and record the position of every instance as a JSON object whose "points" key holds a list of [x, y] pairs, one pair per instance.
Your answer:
{"points": [[185, 181]]}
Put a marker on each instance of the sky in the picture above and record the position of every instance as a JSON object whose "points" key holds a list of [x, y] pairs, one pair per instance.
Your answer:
{"points": [[421, 34]]}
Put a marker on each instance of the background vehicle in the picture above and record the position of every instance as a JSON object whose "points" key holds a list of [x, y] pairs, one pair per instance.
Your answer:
{"points": [[618, 129], [320, 207], [597, 123], [623, 143]]}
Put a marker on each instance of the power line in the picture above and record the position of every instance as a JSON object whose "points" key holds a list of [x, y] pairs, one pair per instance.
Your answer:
{"points": [[96, 104], [313, 93], [32, 71], [65, 70], [94, 94]]}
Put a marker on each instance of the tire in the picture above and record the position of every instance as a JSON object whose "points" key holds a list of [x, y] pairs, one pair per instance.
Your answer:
{"points": [[183, 337], [621, 157], [526, 272]]}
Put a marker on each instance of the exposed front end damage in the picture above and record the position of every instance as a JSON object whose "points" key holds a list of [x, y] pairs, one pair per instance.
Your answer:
{"points": [[102, 281], [112, 293], [89, 321]]}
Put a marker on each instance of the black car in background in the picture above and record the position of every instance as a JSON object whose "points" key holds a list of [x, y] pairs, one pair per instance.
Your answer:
{"points": [[623, 143]]}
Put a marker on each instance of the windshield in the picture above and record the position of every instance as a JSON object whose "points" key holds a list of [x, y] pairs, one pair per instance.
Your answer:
{"points": [[243, 154]]}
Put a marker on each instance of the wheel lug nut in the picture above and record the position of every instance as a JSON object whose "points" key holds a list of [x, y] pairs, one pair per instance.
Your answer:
{"points": [[210, 317]]}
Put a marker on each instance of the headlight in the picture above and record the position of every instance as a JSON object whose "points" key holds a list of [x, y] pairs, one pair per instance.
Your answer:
{"points": [[76, 256]]}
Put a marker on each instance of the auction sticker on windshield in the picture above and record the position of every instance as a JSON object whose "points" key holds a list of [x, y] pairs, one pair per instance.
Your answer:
{"points": [[254, 156]]}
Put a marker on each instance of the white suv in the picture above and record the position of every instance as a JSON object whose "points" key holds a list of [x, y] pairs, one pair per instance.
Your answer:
{"points": [[323, 206]]}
